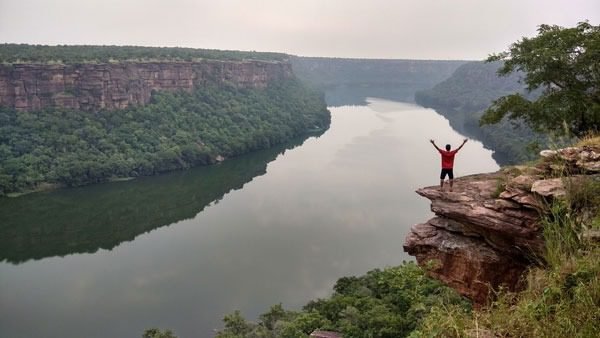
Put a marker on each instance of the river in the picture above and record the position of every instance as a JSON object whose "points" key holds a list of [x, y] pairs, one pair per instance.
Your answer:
{"points": [[181, 250]]}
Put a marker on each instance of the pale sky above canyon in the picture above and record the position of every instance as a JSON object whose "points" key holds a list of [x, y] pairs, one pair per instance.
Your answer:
{"points": [[409, 29]]}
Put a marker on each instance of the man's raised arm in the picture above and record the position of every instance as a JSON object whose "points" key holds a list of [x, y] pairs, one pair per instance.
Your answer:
{"points": [[436, 147], [464, 141]]}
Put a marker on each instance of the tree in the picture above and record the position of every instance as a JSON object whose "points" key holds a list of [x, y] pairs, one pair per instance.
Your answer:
{"points": [[564, 65], [157, 333]]}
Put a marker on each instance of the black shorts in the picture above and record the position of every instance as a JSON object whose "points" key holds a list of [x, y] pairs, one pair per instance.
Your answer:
{"points": [[447, 171]]}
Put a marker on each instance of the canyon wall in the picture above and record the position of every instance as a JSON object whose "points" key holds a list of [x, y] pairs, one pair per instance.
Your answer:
{"points": [[327, 72], [92, 87]]}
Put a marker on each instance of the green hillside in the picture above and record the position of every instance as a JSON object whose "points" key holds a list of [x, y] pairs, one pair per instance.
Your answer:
{"points": [[174, 131]]}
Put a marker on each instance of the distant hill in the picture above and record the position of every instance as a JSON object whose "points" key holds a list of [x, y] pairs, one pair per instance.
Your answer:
{"points": [[464, 96], [340, 71], [350, 81]]}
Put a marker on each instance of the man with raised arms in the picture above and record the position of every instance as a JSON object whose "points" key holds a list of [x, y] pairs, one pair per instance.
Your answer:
{"points": [[447, 162]]}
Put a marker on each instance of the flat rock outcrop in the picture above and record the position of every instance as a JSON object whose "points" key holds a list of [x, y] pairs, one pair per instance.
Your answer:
{"points": [[92, 87], [487, 232]]}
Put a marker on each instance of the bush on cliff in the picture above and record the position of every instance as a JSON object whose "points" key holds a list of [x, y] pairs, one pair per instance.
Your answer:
{"points": [[174, 131]]}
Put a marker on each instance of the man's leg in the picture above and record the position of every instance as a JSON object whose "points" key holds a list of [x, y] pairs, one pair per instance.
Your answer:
{"points": [[451, 176], [442, 177], [451, 181]]}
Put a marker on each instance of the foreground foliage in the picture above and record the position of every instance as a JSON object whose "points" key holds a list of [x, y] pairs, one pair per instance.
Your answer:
{"points": [[383, 303], [174, 131], [565, 64]]}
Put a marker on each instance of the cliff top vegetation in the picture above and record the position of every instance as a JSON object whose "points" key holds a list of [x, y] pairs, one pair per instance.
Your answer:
{"points": [[65, 54]]}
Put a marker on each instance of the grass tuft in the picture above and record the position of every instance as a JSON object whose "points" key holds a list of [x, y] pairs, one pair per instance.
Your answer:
{"points": [[592, 140]]}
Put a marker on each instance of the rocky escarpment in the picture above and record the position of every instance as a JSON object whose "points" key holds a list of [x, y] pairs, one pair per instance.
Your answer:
{"points": [[488, 231], [91, 87]]}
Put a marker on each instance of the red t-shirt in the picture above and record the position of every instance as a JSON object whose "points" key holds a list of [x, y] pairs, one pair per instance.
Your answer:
{"points": [[448, 158]]}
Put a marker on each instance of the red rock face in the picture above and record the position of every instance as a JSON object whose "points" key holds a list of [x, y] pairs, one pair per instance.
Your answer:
{"points": [[477, 242], [92, 87], [467, 264]]}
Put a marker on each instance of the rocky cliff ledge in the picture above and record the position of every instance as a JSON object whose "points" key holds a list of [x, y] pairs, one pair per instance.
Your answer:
{"points": [[92, 87], [487, 231]]}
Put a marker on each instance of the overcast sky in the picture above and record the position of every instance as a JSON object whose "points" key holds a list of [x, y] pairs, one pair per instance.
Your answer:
{"points": [[405, 29]]}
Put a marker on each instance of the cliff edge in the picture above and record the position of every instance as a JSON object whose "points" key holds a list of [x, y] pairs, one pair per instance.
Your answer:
{"points": [[488, 231], [96, 86]]}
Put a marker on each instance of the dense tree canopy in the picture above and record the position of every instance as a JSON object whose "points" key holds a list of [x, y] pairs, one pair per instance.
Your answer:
{"points": [[386, 303], [24, 53], [174, 131], [565, 64]]}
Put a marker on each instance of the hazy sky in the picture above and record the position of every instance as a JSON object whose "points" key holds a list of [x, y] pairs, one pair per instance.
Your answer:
{"points": [[408, 29]]}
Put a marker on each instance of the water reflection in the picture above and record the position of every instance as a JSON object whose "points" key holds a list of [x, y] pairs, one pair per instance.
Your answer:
{"points": [[86, 219], [357, 94]]}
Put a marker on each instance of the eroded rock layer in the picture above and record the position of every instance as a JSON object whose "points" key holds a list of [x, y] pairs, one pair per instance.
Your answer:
{"points": [[92, 87]]}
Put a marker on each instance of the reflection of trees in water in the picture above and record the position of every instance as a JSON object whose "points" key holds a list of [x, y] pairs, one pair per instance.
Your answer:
{"points": [[345, 95], [103, 216]]}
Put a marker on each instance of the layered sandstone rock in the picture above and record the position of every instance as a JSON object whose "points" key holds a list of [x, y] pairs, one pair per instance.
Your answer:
{"points": [[573, 160], [92, 87], [487, 232], [477, 239]]}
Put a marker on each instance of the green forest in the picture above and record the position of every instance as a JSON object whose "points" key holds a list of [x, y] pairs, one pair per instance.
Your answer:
{"points": [[174, 131], [382, 303], [25, 53]]}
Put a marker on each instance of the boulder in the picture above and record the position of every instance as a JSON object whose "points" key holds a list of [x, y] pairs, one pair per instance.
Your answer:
{"points": [[572, 160], [549, 188]]}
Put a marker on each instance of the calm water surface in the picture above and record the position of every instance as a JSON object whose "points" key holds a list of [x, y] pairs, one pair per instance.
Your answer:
{"points": [[181, 250]]}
